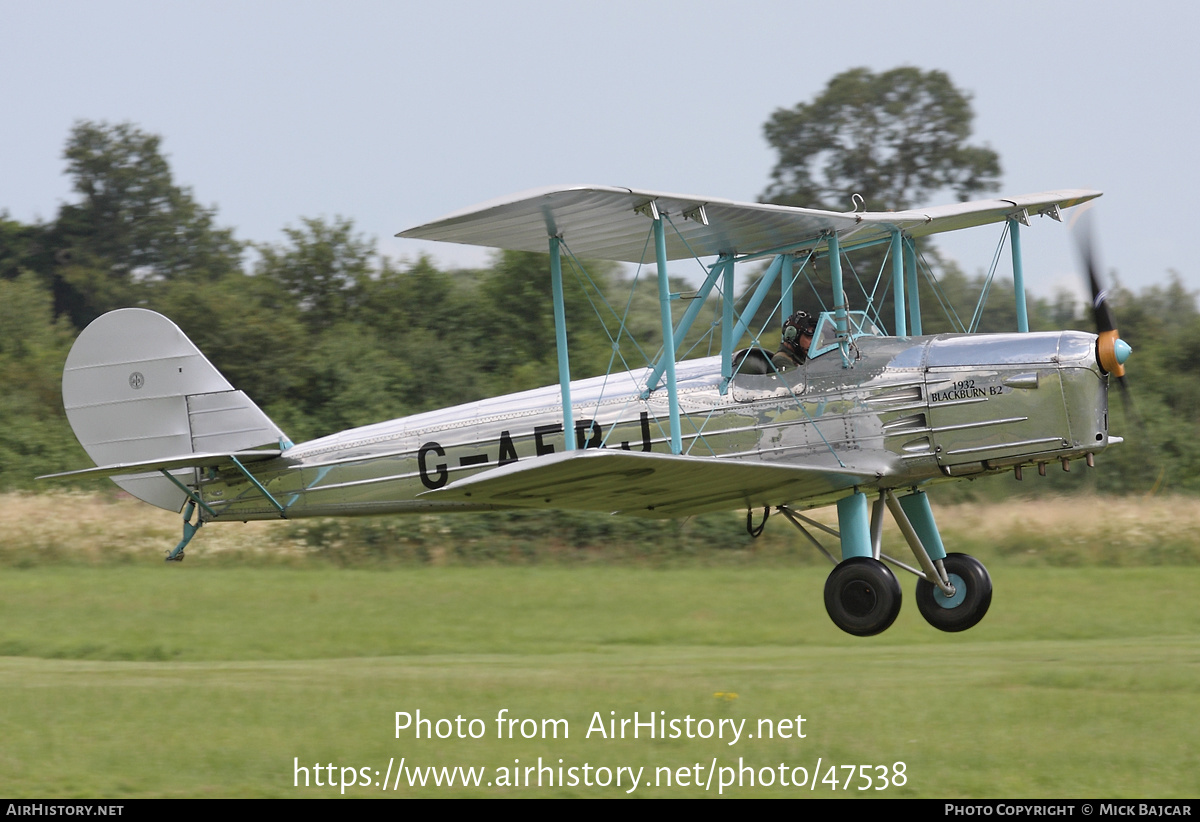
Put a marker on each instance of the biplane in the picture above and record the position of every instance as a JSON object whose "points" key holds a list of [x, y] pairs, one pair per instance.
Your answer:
{"points": [[867, 422]]}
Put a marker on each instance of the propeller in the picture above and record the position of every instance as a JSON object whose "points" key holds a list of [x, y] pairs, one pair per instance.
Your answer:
{"points": [[1111, 350]]}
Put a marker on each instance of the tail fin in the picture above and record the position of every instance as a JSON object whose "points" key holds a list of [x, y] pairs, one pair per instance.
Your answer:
{"points": [[136, 389]]}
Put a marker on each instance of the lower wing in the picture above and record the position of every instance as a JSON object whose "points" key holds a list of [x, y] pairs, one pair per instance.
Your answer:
{"points": [[652, 485]]}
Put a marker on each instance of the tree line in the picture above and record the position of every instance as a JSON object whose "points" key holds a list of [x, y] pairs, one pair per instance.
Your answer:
{"points": [[326, 334]]}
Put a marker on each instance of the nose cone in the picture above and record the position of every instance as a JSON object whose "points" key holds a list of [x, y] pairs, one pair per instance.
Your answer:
{"points": [[1112, 352]]}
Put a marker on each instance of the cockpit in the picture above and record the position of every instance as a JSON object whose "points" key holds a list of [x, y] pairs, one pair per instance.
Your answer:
{"points": [[858, 324], [757, 361]]}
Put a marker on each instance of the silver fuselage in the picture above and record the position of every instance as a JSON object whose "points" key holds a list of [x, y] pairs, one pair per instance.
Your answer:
{"points": [[911, 410]]}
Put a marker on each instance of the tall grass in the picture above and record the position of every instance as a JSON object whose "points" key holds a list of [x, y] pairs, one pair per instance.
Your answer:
{"points": [[107, 528]]}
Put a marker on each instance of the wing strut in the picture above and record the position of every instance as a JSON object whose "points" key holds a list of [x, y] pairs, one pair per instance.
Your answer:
{"points": [[839, 297], [727, 339], [689, 316], [664, 304], [897, 254], [1014, 234], [912, 276], [560, 340], [760, 294], [785, 278]]}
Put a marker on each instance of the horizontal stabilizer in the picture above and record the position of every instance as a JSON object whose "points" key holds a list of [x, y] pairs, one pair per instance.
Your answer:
{"points": [[169, 464], [647, 484]]}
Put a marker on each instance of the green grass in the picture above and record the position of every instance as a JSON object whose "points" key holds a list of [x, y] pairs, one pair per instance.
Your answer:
{"points": [[150, 680]]}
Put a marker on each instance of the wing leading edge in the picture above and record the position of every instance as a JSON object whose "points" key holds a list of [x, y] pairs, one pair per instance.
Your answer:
{"points": [[650, 485], [610, 224]]}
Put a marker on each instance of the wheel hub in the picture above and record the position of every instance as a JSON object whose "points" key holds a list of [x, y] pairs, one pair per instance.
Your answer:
{"points": [[960, 593], [859, 598]]}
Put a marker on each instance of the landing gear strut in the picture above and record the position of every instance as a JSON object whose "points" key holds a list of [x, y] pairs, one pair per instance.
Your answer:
{"points": [[189, 531]]}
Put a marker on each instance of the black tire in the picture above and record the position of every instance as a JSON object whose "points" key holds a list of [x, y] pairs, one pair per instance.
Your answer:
{"points": [[862, 596], [973, 595]]}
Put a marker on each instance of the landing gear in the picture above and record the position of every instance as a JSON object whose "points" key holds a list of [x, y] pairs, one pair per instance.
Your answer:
{"points": [[189, 531], [972, 595], [862, 596]]}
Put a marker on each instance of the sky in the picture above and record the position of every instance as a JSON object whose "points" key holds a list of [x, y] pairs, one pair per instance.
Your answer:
{"points": [[395, 113]]}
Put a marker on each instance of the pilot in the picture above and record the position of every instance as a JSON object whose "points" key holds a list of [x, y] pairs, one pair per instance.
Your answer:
{"points": [[797, 336]]}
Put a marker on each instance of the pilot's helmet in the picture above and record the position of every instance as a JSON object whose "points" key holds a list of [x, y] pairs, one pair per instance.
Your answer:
{"points": [[796, 326]]}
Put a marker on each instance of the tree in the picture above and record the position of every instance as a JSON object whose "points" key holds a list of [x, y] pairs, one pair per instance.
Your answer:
{"points": [[35, 437], [133, 225], [324, 268], [513, 322], [20, 247], [425, 319], [250, 329], [894, 138]]}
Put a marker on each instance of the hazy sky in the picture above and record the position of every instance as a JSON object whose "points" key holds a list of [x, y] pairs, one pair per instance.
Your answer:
{"points": [[394, 113]]}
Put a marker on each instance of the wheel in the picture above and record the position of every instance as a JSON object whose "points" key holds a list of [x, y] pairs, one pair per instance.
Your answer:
{"points": [[862, 596], [972, 595]]}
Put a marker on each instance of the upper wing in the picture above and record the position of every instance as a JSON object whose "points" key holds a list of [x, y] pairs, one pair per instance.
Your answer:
{"points": [[610, 223], [647, 484]]}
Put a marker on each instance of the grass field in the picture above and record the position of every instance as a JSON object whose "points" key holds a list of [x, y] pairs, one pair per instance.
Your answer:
{"points": [[122, 677]]}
